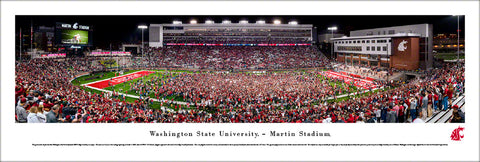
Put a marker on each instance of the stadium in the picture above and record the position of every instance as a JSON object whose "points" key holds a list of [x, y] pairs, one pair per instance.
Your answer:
{"points": [[239, 72]]}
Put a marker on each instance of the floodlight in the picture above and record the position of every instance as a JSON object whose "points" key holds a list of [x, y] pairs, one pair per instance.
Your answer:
{"points": [[209, 22], [332, 28]]}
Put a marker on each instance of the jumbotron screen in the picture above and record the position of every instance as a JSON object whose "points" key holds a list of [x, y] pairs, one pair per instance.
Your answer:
{"points": [[74, 37]]}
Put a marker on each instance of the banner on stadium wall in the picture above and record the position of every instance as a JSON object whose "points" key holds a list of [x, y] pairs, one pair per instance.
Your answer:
{"points": [[229, 44], [53, 55], [110, 53]]}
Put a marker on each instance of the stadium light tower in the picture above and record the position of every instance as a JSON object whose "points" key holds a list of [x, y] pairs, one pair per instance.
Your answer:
{"points": [[209, 22], [276, 22], [260, 22], [293, 23], [332, 29], [458, 38], [193, 22], [142, 27], [226, 22]]}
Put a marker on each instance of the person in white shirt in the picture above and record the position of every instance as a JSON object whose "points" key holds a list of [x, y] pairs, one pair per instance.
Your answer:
{"points": [[360, 120], [378, 113], [327, 120], [419, 118], [40, 115], [32, 116]]}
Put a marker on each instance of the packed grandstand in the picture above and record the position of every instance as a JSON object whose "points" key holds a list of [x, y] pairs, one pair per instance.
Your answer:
{"points": [[177, 84]]}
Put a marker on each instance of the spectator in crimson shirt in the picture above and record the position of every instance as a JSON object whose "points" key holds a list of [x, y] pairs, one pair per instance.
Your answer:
{"points": [[351, 118], [450, 94], [19, 91]]}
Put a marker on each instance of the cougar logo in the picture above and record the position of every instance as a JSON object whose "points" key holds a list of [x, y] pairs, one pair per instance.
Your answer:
{"points": [[402, 45], [75, 26], [456, 134]]}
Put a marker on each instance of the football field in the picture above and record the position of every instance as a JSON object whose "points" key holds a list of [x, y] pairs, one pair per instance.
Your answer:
{"points": [[117, 80]]}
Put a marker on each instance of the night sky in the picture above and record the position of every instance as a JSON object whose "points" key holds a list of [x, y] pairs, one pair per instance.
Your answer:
{"points": [[123, 29]]}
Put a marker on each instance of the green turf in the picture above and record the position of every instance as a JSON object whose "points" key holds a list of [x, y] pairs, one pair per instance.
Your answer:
{"points": [[340, 84], [181, 71], [155, 105], [109, 63], [358, 95], [81, 80], [448, 56], [123, 87]]}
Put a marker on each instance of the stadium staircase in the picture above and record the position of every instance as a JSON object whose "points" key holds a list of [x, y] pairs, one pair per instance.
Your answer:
{"points": [[320, 52], [444, 116]]}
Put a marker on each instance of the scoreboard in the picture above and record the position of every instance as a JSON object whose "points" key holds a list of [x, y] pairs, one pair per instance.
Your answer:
{"points": [[73, 35]]}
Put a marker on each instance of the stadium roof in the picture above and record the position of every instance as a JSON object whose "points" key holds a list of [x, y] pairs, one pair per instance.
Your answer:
{"points": [[379, 36]]}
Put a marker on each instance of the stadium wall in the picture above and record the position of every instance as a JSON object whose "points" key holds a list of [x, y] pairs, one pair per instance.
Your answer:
{"points": [[409, 58], [155, 38]]}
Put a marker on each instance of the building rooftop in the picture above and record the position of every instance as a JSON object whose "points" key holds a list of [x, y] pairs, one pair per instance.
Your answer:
{"points": [[379, 36]]}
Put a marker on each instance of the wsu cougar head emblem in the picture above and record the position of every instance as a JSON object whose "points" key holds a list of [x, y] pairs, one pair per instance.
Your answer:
{"points": [[75, 26], [402, 45], [456, 134]]}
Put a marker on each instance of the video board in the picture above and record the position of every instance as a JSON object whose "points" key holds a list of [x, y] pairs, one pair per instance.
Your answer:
{"points": [[73, 34]]}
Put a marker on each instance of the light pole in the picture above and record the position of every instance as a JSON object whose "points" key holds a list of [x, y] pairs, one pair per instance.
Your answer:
{"points": [[142, 27], [20, 44], [458, 39], [331, 42]]}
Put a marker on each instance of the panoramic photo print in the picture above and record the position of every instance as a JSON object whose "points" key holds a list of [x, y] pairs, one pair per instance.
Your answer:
{"points": [[240, 69]]}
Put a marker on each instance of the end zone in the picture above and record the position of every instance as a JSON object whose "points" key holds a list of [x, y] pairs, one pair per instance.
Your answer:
{"points": [[117, 80]]}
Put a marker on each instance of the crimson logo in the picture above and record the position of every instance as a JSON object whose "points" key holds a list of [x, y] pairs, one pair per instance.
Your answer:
{"points": [[456, 134]]}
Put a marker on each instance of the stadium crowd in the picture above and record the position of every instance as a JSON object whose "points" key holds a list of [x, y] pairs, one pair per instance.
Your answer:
{"points": [[242, 89], [234, 57], [43, 92], [239, 40], [371, 71]]}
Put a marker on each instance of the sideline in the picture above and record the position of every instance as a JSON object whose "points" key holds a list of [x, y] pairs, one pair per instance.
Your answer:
{"points": [[138, 97], [114, 77], [354, 93]]}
